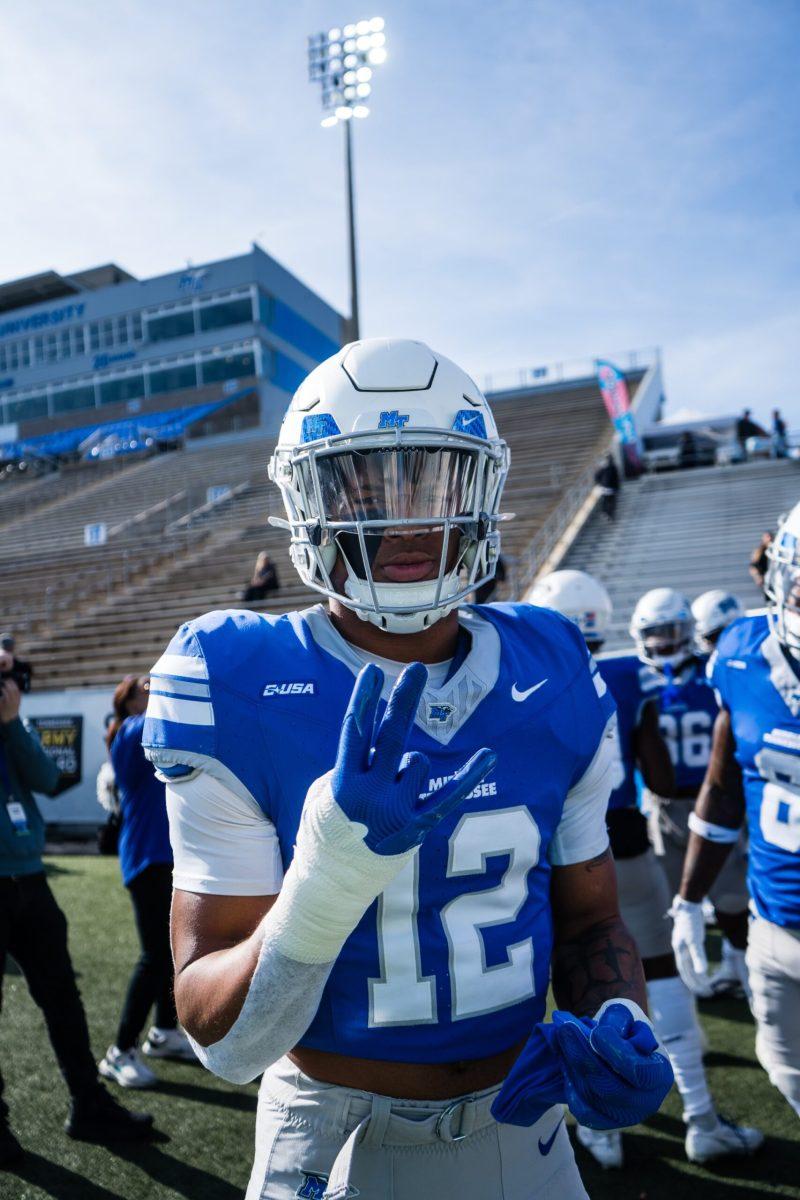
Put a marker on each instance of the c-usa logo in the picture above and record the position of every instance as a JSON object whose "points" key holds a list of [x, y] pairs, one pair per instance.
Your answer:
{"points": [[301, 687]]}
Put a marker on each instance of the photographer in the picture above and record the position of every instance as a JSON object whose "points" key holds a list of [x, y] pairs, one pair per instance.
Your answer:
{"points": [[33, 929], [21, 672]]}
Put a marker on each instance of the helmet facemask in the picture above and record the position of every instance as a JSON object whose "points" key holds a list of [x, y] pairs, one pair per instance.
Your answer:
{"points": [[398, 525], [782, 590], [667, 644]]}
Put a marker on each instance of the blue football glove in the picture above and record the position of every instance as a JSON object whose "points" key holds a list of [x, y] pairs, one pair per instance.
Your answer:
{"points": [[369, 783], [610, 1072]]}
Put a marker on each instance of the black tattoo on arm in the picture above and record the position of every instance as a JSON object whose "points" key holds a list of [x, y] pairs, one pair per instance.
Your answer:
{"points": [[601, 963]]}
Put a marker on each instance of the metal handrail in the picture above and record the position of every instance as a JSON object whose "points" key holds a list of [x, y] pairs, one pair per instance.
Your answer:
{"points": [[569, 369], [554, 526]]}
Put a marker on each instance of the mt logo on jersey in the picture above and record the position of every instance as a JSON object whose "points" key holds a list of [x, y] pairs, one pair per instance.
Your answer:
{"points": [[302, 687]]}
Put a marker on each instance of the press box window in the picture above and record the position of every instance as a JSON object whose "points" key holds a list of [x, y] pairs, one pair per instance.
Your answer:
{"points": [[72, 398], [116, 390], [230, 312], [235, 366], [25, 410], [171, 325], [173, 379]]}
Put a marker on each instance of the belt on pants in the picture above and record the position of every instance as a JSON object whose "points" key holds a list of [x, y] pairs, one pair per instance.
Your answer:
{"points": [[383, 1120]]}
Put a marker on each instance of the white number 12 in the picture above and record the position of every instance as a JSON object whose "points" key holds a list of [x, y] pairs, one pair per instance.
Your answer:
{"points": [[402, 995]]}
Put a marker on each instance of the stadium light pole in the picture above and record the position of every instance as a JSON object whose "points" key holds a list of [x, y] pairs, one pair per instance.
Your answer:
{"points": [[341, 61]]}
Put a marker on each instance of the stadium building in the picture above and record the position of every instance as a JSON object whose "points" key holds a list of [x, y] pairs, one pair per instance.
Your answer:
{"points": [[100, 346]]}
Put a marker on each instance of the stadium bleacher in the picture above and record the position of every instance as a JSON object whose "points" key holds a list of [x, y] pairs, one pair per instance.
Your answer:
{"points": [[110, 438], [690, 530], [87, 615]]}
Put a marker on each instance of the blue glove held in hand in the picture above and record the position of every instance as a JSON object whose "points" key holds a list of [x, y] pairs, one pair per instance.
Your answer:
{"points": [[372, 787], [610, 1072]]}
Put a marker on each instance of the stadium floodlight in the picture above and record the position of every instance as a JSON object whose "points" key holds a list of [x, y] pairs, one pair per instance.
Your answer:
{"points": [[342, 62]]}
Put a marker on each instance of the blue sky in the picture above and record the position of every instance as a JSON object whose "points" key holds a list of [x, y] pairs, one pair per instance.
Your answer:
{"points": [[538, 180]]}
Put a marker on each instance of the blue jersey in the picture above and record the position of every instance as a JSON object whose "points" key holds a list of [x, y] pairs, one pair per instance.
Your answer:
{"points": [[760, 690], [687, 710], [453, 960], [144, 832], [633, 686]]}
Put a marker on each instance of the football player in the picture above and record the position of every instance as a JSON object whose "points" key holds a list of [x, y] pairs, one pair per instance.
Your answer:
{"points": [[378, 865], [644, 893], [714, 611], [754, 775], [663, 629]]}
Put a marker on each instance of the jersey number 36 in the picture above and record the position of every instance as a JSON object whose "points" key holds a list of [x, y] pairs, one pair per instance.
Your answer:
{"points": [[403, 995]]}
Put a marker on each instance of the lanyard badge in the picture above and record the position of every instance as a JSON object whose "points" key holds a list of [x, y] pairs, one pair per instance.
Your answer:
{"points": [[18, 817], [16, 812]]}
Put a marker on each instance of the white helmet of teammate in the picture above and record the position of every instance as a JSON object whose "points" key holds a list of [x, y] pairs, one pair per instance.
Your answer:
{"points": [[662, 626], [389, 436], [578, 596], [712, 612], [782, 581]]}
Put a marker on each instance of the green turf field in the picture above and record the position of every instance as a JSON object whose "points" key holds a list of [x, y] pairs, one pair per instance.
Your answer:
{"points": [[209, 1124]]}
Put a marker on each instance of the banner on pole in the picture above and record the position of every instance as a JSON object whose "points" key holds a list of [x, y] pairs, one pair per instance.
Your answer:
{"points": [[614, 390]]}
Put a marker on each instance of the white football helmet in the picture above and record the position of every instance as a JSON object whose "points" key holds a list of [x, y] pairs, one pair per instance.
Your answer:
{"points": [[578, 596], [712, 612], [387, 439], [662, 626], [782, 581]]}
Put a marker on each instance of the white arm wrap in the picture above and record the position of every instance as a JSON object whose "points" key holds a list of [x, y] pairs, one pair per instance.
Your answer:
{"points": [[713, 833], [333, 879], [280, 1004]]}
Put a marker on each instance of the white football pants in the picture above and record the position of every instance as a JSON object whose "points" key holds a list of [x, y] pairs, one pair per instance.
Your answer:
{"points": [[316, 1139], [773, 963]]}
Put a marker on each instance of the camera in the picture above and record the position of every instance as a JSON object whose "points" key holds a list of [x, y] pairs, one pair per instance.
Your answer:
{"points": [[16, 669]]}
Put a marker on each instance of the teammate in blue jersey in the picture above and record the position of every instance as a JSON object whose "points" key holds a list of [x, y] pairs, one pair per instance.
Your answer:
{"points": [[663, 628], [374, 883], [754, 776], [644, 892]]}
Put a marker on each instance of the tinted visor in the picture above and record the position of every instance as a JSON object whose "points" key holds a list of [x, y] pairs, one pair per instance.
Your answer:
{"points": [[665, 638], [409, 483]]}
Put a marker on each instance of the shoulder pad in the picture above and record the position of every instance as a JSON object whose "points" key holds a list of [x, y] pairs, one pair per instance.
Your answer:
{"points": [[742, 638]]}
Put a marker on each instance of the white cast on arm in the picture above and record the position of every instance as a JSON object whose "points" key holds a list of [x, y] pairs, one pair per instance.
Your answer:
{"points": [[333, 879]]}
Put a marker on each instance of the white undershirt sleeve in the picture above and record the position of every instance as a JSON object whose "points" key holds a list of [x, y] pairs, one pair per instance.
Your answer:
{"points": [[222, 843], [581, 833]]}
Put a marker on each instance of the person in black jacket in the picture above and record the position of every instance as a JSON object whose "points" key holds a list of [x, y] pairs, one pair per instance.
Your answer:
{"points": [[607, 479], [265, 579], [33, 929]]}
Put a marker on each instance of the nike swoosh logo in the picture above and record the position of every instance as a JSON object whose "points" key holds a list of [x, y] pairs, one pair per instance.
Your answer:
{"points": [[516, 694], [546, 1147]]}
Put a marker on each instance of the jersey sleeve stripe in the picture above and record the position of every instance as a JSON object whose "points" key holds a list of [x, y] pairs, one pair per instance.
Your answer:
{"points": [[600, 685], [180, 712], [181, 666], [168, 685]]}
